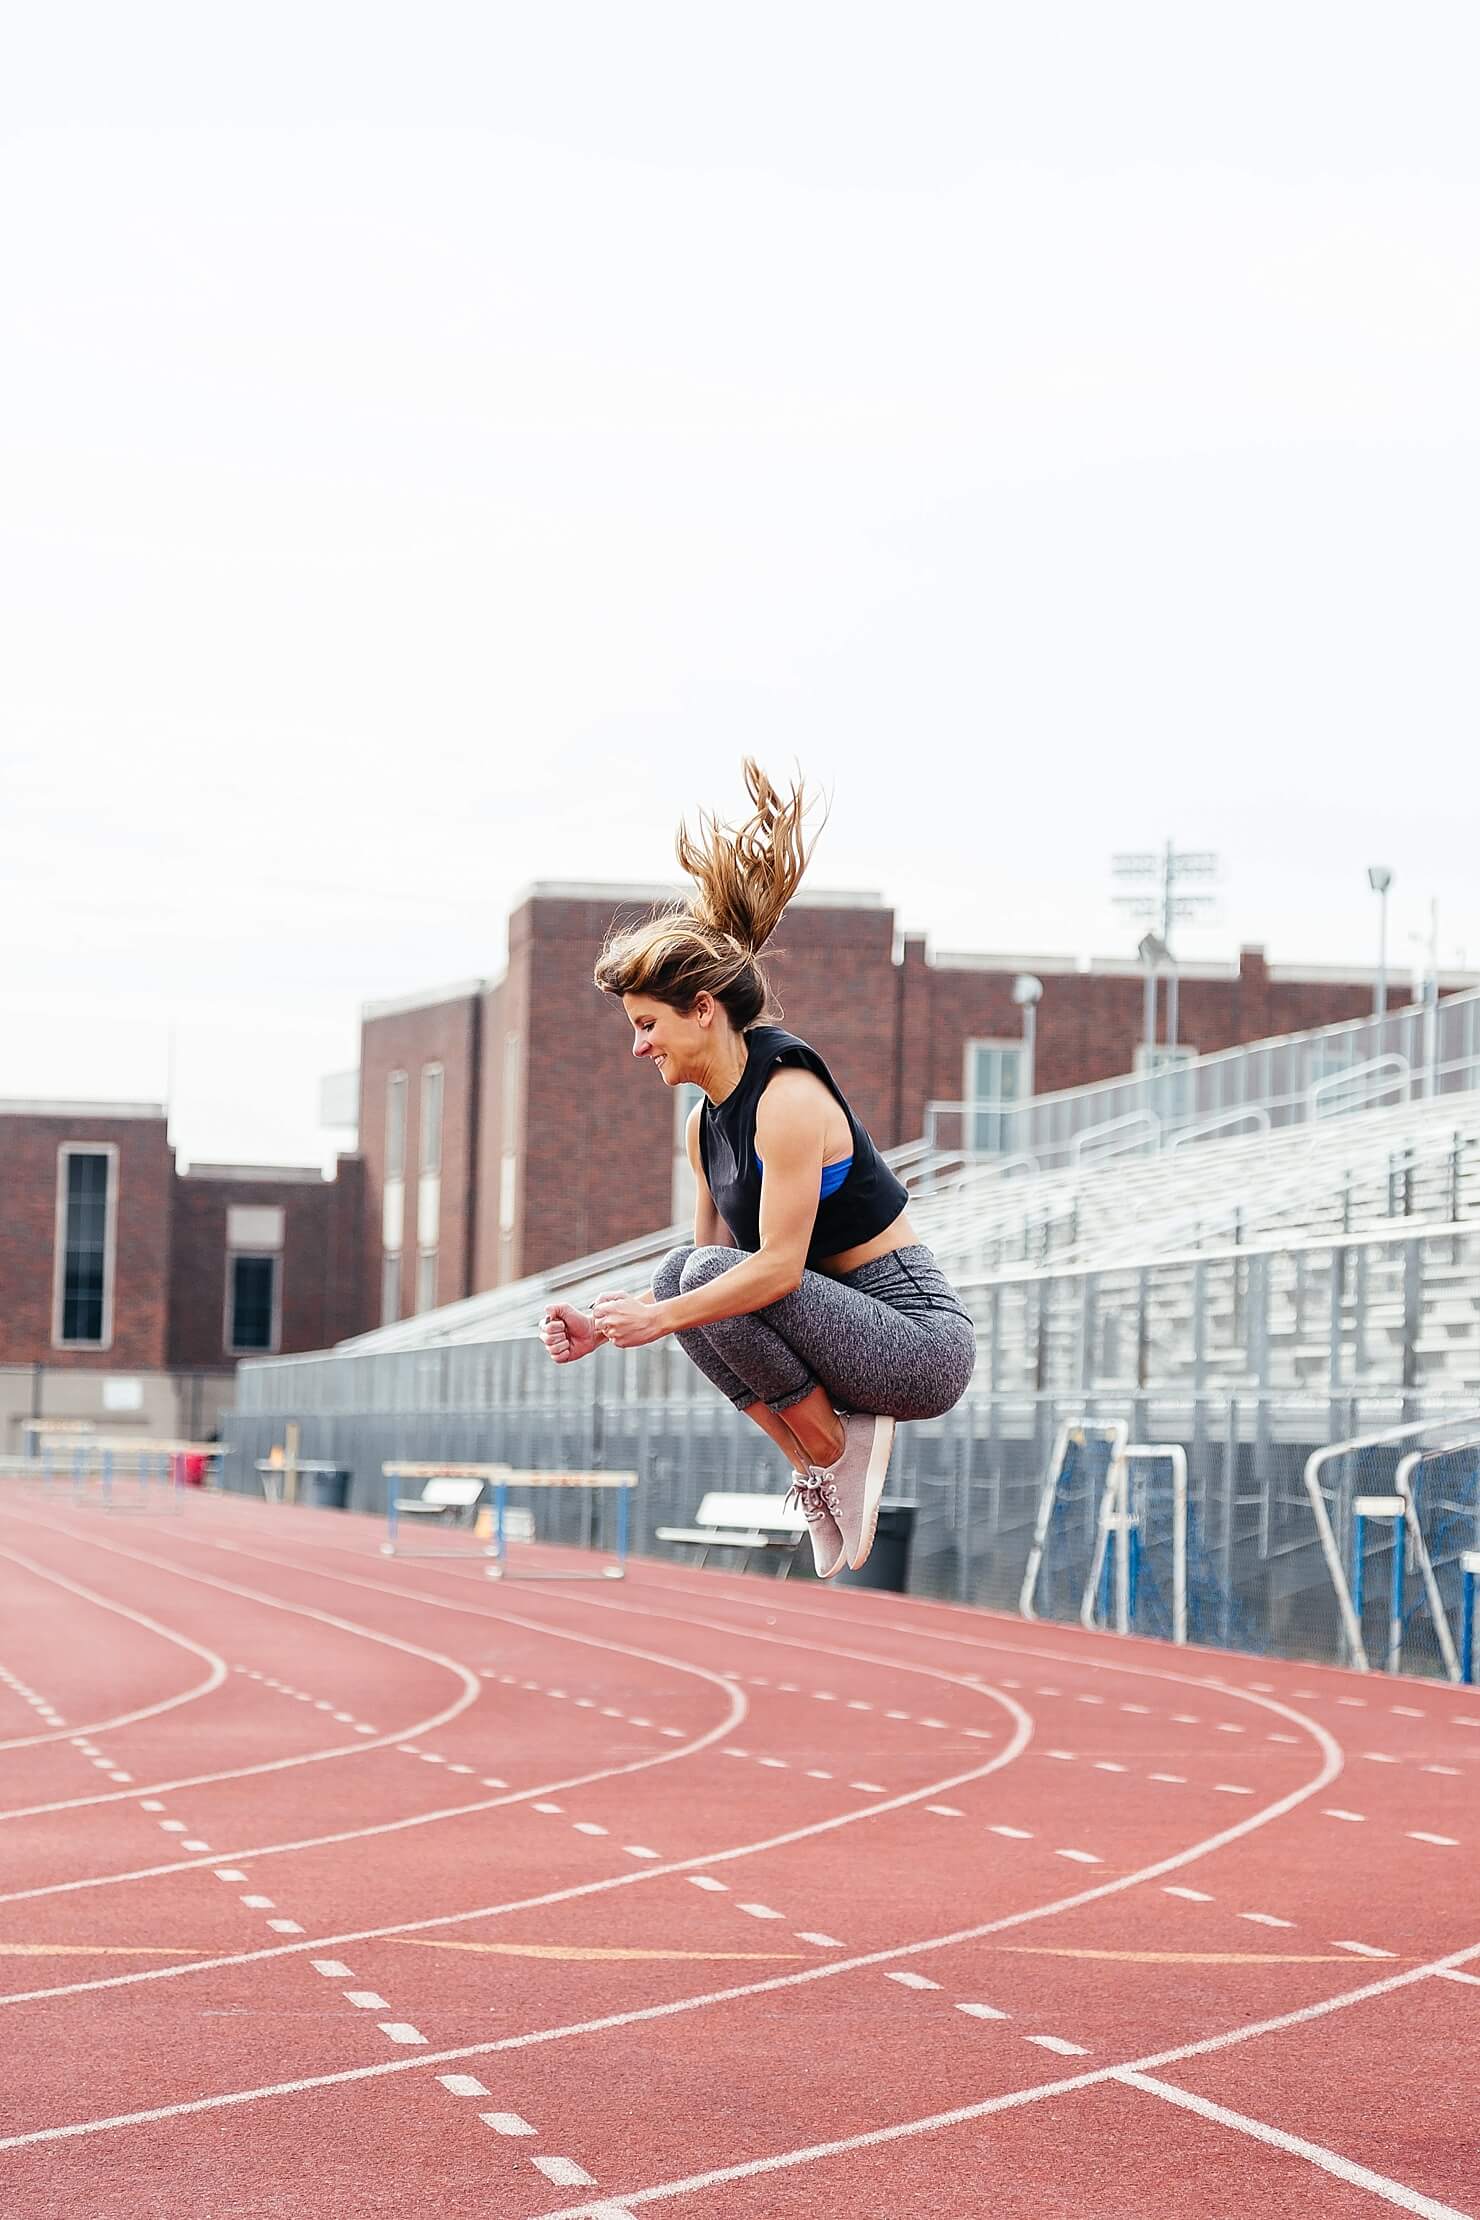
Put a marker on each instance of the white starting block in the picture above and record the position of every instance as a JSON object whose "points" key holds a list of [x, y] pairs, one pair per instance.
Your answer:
{"points": [[458, 1492]]}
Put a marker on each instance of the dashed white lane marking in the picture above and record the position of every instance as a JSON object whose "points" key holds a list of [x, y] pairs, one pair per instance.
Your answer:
{"points": [[1078, 1857], [1452, 1770], [1064, 1757], [1358, 1818], [1365, 1950], [1230, 1788], [1352, 1703], [1177, 1780], [330, 1968], [1193, 1896], [868, 1788], [815, 1773], [823, 1942], [285, 1927], [1266, 1919], [640, 1850], [173, 1826], [463, 2085], [1013, 1834], [705, 1881], [259, 1903], [1108, 1765], [1444, 1842], [196, 1845], [506, 2123], [229, 1873], [564, 2172], [557, 1808], [909, 1980], [400, 2031], [1377, 1757], [366, 2000], [946, 1811], [1405, 1711], [1057, 2044], [1141, 1711], [981, 2011], [589, 1827], [760, 1911]]}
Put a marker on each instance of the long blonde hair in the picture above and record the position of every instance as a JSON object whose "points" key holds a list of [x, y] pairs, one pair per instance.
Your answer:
{"points": [[743, 876]]}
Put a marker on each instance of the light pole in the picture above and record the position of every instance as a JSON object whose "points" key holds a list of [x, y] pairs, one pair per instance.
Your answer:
{"points": [[1027, 993], [1153, 952], [1380, 878]]}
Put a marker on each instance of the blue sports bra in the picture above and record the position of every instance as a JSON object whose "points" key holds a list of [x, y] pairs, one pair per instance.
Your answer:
{"points": [[833, 1175]]}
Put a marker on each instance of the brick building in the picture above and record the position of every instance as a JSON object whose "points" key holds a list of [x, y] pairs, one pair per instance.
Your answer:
{"points": [[505, 1128], [128, 1289]]}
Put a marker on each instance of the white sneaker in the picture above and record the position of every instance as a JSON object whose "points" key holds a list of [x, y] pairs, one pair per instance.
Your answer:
{"points": [[817, 1500], [857, 1480]]}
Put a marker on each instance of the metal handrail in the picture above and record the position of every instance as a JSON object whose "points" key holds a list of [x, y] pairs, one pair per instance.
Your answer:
{"points": [[1205, 1126], [1080, 1146], [1357, 1071]]}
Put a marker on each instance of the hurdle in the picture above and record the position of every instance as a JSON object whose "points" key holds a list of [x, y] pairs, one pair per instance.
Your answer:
{"points": [[1126, 1516], [132, 1473], [501, 1478], [1470, 1571], [458, 1479]]}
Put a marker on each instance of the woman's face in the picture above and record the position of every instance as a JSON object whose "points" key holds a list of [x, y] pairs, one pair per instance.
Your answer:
{"points": [[671, 1039]]}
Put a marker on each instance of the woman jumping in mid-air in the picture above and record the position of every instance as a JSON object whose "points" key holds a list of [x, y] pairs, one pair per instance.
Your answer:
{"points": [[805, 1296]]}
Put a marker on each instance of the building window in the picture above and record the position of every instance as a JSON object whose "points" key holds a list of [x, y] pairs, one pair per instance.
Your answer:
{"points": [[252, 1290], [395, 1126], [86, 1180], [1172, 1096], [390, 1288], [426, 1279], [995, 1078], [429, 1139]]}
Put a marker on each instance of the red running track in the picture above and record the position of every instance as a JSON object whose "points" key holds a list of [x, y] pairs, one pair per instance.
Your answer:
{"points": [[332, 1885]]}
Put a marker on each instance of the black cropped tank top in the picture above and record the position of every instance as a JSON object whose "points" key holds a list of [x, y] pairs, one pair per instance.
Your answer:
{"points": [[869, 1199]]}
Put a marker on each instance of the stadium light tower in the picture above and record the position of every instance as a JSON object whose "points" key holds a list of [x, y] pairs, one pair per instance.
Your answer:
{"points": [[1027, 993], [1163, 905], [1380, 878]]}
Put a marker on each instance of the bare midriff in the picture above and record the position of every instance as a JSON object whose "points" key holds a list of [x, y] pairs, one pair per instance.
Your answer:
{"points": [[901, 1235]]}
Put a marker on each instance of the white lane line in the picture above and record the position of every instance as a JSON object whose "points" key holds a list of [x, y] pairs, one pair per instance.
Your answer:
{"points": [[946, 1811], [760, 1911], [172, 1826], [909, 1980], [1451, 1770], [285, 1927], [366, 2000], [705, 1881], [331, 1969], [981, 2011], [1229, 1788], [1193, 1896], [463, 2085], [1108, 1765], [259, 1903], [1357, 1818], [1296, 2146], [1266, 1919], [229, 1873], [1453, 1973], [400, 2031], [1079, 1857], [469, 1684], [196, 1845], [506, 2123], [589, 1827], [564, 2172], [1178, 1780], [869, 1788], [1057, 2044], [1444, 1842], [1013, 1834], [215, 1675], [640, 1850], [816, 1937], [1365, 1950]]}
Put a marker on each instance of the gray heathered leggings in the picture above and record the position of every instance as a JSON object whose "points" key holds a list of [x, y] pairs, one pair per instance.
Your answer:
{"points": [[891, 1338]]}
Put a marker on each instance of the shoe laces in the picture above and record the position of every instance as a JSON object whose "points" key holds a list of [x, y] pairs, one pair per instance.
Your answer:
{"points": [[814, 1495]]}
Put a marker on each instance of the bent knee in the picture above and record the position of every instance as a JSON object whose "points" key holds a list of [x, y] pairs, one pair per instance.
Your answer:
{"points": [[703, 1265], [668, 1273]]}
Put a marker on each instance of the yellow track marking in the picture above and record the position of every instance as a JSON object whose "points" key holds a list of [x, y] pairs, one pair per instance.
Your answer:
{"points": [[581, 1952], [1188, 1957], [94, 1950]]}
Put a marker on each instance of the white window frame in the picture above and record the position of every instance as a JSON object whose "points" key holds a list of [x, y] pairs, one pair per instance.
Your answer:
{"points": [[235, 1348], [970, 1098], [66, 1150], [395, 1158], [429, 1162]]}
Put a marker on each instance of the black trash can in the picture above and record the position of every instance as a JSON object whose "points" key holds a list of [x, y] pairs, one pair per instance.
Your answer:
{"points": [[888, 1562], [328, 1488]]}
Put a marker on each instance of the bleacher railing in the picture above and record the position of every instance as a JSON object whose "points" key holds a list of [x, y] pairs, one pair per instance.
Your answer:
{"points": [[1428, 1049]]}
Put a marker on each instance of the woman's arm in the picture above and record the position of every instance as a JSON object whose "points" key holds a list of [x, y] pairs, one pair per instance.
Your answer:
{"points": [[791, 1131]]}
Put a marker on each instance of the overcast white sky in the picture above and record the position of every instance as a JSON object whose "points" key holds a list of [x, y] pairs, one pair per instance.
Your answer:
{"points": [[437, 441]]}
